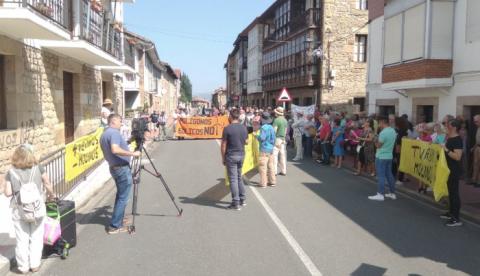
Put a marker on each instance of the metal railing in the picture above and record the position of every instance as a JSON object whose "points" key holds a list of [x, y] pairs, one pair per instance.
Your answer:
{"points": [[59, 11], [92, 22], [54, 165], [99, 31], [129, 52]]}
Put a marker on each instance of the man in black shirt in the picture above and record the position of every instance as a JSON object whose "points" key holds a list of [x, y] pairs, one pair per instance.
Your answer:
{"points": [[234, 139], [453, 152]]}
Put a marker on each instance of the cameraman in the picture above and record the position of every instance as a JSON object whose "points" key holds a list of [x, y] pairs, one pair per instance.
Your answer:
{"points": [[116, 152]]}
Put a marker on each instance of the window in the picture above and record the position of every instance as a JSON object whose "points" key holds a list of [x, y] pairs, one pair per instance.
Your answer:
{"points": [[3, 98], [362, 4], [360, 49], [473, 21]]}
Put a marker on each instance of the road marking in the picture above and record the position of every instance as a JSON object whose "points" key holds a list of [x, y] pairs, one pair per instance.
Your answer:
{"points": [[311, 267]]}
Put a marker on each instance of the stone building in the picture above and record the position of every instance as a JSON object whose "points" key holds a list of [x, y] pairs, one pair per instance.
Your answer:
{"points": [[156, 86], [314, 48], [55, 71], [219, 98]]}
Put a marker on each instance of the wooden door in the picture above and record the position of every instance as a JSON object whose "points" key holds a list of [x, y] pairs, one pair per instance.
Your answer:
{"points": [[68, 107]]}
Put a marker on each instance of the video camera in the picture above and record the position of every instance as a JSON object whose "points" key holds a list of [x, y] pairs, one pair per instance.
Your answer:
{"points": [[139, 126]]}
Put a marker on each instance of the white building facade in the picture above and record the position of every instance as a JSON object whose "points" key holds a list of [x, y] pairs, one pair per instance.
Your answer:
{"points": [[424, 58]]}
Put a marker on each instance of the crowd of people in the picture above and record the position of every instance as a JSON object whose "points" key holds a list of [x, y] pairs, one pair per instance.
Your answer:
{"points": [[374, 142]]}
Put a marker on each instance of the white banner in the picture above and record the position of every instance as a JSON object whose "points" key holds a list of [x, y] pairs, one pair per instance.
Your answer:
{"points": [[305, 110]]}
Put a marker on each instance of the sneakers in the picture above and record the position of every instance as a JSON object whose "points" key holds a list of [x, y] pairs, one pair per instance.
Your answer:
{"points": [[297, 159], [272, 185], [113, 231], [399, 183], [234, 206], [391, 196], [446, 216], [377, 197], [243, 203], [453, 223], [282, 174]]}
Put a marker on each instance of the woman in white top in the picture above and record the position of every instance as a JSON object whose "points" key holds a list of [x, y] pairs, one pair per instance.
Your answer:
{"points": [[29, 234]]}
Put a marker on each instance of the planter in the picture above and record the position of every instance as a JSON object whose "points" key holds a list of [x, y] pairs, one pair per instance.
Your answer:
{"points": [[44, 9], [96, 6]]}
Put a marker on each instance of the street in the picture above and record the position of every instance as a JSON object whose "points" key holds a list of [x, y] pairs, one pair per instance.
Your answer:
{"points": [[322, 224]]}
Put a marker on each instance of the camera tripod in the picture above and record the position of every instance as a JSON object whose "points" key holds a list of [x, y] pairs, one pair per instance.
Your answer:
{"points": [[136, 168]]}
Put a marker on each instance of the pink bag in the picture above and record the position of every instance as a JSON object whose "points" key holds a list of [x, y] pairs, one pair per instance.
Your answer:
{"points": [[53, 231]]}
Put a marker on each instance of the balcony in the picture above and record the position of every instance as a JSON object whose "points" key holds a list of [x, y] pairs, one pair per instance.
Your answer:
{"points": [[98, 42], [36, 19], [300, 22]]}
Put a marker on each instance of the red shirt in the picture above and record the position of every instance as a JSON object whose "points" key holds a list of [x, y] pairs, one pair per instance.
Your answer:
{"points": [[325, 131]]}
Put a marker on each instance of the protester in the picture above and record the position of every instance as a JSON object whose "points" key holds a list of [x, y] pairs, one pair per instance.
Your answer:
{"points": [[298, 129], [29, 228], [308, 134], [266, 137], [116, 152], [425, 132], [154, 125], [401, 127], [383, 162], [453, 152], [106, 111], [175, 116], [324, 137], [338, 141], [476, 154], [234, 139], [280, 125], [162, 125], [366, 153]]}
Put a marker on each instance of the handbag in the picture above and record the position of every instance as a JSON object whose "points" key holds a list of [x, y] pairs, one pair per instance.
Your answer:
{"points": [[53, 231]]}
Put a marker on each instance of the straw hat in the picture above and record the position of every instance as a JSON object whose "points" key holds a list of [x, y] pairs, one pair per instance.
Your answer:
{"points": [[279, 111], [107, 101]]}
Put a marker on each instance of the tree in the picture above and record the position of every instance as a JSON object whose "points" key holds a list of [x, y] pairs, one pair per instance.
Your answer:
{"points": [[185, 89]]}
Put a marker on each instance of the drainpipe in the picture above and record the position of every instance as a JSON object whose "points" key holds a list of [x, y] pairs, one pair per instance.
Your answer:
{"points": [[428, 28], [77, 13]]}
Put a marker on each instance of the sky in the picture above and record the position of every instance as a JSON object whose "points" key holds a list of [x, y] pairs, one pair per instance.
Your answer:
{"points": [[195, 36]]}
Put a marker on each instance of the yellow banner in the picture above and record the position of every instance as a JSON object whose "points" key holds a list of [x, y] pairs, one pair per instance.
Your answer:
{"points": [[426, 162], [252, 153], [201, 127], [82, 153]]}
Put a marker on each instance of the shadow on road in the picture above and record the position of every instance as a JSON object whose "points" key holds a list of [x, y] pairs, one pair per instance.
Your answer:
{"points": [[211, 197], [369, 270], [408, 228]]}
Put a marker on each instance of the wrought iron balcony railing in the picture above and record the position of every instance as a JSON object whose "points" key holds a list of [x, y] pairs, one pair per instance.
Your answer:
{"points": [[59, 11]]}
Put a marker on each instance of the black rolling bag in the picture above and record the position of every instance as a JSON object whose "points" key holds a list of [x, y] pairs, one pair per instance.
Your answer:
{"points": [[65, 211]]}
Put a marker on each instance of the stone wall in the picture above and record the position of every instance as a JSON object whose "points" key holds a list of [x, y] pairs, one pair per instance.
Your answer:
{"points": [[344, 21], [35, 107]]}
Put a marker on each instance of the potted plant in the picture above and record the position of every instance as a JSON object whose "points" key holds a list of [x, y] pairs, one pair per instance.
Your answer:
{"points": [[96, 5], [117, 26], [44, 9]]}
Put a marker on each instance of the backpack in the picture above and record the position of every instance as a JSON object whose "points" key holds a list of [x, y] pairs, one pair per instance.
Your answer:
{"points": [[29, 199]]}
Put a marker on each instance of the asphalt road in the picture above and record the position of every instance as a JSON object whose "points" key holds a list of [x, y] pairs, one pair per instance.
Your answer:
{"points": [[322, 223]]}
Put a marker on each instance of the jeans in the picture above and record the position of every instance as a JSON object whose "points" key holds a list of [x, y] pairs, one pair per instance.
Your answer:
{"points": [[123, 181], [454, 196], [234, 164], [326, 152], [384, 172], [308, 146]]}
